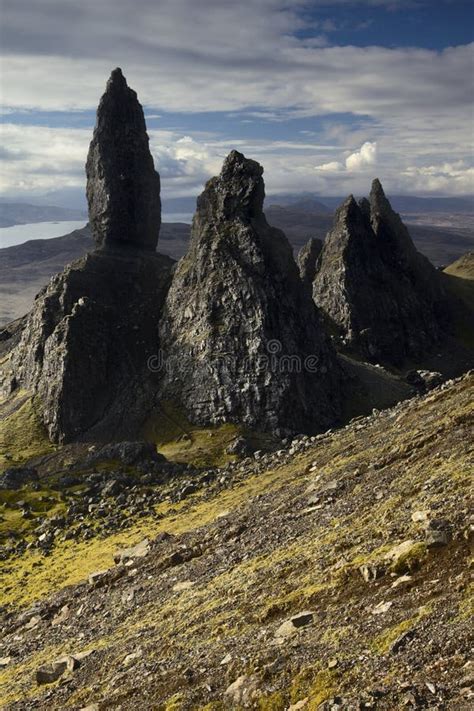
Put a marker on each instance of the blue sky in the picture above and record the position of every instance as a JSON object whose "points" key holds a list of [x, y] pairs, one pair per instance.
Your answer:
{"points": [[325, 95]]}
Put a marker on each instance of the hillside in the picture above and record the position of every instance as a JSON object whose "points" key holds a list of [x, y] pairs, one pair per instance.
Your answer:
{"points": [[335, 568], [26, 268], [462, 267]]}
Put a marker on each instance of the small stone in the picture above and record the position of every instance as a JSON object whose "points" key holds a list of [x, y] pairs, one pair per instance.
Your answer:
{"points": [[62, 616], [371, 572], [139, 551], [288, 628], [382, 608], [132, 657], [420, 516], [226, 660], [5, 661], [299, 705], [97, 577], [32, 622], [184, 585], [438, 533], [402, 579], [243, 691]]}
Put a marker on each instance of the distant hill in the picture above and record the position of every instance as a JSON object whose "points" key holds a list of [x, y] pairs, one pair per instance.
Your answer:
{"points": [[405, 204], [18, 213], [26, 268]]}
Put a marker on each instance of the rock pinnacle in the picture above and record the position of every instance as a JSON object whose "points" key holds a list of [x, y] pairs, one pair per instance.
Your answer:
{"points": [[123, 188]]}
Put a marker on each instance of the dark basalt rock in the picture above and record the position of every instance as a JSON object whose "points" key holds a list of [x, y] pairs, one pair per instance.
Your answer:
{"points": [[16, 477], [84, 347], [384, 298], [123, 188], [84, 352], [243, 339], [307, 258]]}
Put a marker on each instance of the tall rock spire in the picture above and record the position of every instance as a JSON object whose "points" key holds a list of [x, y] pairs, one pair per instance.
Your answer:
{"points": [[85, 348], [239, 327], [123, 188]]}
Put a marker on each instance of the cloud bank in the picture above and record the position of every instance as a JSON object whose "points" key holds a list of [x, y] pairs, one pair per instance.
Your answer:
{"points": [[410, 107]]}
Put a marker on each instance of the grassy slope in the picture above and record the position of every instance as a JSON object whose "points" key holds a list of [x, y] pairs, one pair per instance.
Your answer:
{"points": [[290, 555]]}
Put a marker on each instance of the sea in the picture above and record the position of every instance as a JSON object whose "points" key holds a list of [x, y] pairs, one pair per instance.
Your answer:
{"points": [[10, 236]]}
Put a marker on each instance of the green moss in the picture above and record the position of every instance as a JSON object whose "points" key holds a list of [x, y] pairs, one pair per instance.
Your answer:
{"points": [[315, 684], [44, 502], [22, 433], [382, 643], [303, 596], [274, 702], [181, 441], [174, 703], [466, 606]]}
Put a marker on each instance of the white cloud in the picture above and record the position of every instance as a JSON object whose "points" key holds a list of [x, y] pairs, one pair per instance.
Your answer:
{"points": [[455, 177], [363, 158], [188, 56], [331, 167]]}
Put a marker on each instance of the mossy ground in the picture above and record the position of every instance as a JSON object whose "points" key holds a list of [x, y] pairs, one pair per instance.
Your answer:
{"points": [[288, 557], [22, 434], [181, 441]]}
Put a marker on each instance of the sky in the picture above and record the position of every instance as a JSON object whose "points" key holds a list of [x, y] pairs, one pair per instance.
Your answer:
{"points": [[325, 94]]}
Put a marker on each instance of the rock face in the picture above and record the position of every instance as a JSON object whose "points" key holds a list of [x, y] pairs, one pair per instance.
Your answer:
{"points": [[84, 352], [307, 258], [86, 342], [382, 296], [123, 188], [242, 337]]}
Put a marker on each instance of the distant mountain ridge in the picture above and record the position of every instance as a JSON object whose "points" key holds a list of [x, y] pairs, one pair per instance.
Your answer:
{"points": [[311, 202], [18, 213]]}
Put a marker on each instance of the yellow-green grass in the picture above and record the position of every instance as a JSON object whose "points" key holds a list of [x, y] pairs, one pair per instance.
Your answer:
{"points": [[22, 433]]}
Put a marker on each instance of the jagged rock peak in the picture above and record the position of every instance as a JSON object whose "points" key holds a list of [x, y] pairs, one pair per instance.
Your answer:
{"points": [[238, 191], [237, 301], [123, 188], [377, 291], [307, 258]]}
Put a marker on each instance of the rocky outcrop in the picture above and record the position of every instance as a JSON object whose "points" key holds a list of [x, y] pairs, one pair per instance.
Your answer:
{"points": [[307, 258], [85, 345], [382, 296], [123, 188], [241, 335], [84, 352]]}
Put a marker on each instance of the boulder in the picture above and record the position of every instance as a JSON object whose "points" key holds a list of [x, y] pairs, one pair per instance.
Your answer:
{"points": [[139, 551], [16, 477], [128, 453], [288, 628]]}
